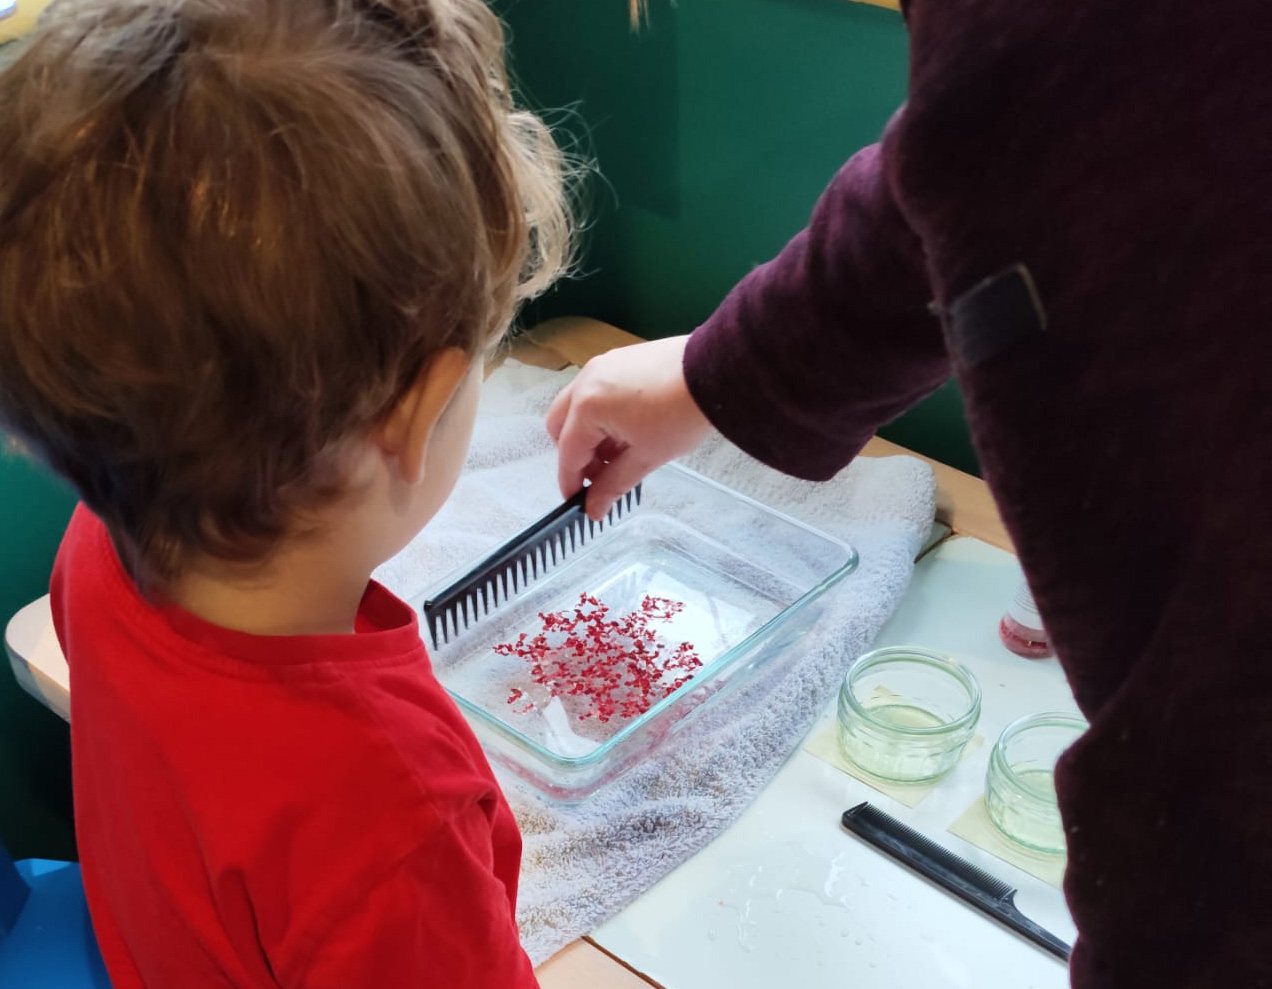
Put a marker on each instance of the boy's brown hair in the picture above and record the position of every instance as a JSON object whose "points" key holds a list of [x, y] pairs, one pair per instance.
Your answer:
{"points": [[232, 232]]}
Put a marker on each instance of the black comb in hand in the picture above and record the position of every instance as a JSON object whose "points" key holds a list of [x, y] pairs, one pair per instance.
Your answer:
{"points": [[513, 566]]}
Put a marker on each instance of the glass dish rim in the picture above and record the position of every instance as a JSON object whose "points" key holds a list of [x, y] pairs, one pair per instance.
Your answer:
{"points": [[929, 657], [998, 761], [851, 561]]}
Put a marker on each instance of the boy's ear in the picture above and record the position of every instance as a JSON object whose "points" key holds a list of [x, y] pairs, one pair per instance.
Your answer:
{"points": [[406, 431]]}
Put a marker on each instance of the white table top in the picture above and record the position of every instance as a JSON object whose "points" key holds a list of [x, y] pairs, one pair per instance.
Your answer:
{"points": [[36, 658], [785, 897]]}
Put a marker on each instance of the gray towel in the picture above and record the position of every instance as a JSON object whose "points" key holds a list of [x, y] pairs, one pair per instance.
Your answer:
{"points": [[583, 864]]}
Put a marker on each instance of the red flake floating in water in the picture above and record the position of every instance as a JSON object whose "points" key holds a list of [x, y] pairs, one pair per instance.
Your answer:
{"points": [[615, 667]]}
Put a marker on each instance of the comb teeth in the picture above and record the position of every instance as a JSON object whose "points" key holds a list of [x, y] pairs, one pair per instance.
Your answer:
{"points": [[884, 830], [518, 563]]}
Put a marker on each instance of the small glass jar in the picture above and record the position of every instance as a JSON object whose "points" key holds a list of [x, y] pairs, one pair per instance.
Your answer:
{"points": [[905, 713], [1021, 627], [1020, 790]]}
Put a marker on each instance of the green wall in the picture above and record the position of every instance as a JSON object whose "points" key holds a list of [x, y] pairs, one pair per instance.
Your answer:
{"points": [[35, 762], [715, 130]]}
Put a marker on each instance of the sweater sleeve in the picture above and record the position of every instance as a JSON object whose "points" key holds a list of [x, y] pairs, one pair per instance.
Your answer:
{"points": [[816, 349]]}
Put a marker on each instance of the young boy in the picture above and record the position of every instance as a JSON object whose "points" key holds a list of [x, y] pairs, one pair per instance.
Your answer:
{"points": [[252, 254]]}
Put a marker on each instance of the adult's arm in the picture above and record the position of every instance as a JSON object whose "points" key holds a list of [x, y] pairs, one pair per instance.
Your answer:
{"points": [[816, 349], [802, 362]]}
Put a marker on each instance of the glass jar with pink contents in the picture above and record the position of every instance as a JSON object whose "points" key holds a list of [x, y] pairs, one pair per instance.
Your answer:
{"points": [[1021, 627]]}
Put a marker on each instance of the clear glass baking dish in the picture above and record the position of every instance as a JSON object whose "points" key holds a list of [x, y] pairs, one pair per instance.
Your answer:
{"points": [[751, 581]]}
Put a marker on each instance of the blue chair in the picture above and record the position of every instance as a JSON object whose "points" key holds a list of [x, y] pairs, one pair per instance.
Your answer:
{"points": [[46, 939]]}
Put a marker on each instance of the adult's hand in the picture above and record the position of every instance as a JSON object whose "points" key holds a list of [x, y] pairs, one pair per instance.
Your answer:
{"points": [[627, 412]]}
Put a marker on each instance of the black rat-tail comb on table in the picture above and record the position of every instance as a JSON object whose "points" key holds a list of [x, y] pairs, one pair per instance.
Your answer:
{"points": [[516, 564], [951, 872]]}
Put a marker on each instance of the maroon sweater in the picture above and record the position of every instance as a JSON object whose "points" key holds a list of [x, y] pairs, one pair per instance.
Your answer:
{"points": [[1109, 162]]}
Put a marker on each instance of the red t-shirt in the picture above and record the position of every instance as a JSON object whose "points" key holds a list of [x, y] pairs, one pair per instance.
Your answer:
{"points": [[277, 811]]}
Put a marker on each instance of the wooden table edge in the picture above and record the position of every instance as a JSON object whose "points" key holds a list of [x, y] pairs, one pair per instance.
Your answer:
{"points": [[583, 964]]}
